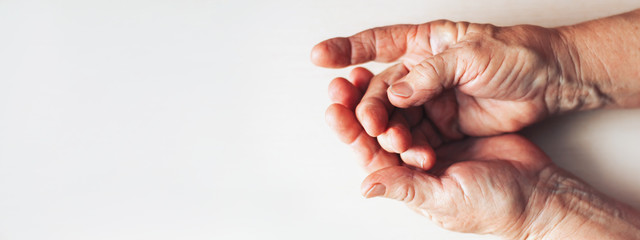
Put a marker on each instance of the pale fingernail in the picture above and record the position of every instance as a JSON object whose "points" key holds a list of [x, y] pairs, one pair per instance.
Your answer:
{"points": [[401, 89], [377, 190]]}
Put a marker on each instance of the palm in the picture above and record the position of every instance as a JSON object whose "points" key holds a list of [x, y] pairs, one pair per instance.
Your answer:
{"points": [[490, 181]]}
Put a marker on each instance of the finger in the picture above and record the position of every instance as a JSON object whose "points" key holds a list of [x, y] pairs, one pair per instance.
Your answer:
{"points": [[397, 137], [417, 121], [348, 129], [343, 92], [384, 44], [360, 77], [427, 80], [412, 43], [420, 154], [374, 108], [429, 131], [443, 113], [349, 93], [415, 188]]}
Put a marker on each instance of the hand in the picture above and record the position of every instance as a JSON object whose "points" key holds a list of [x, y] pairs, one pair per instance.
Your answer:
{"points": [[502, 185], [480, 185], [469, 79], [486, 185], [506, 186]]}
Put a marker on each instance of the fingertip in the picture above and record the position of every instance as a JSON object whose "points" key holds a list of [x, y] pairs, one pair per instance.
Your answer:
{"points": [[394, 139], [375, 190], [372, 116], [341, 120], [335, 88], [414, 89], [401, 89], [377, 177], [343, 92], [419, 156], [399, 137], [430, 158], [385, 142], [332, 53], [387, 178], [400, 95], [361, 77], [361, 72], [332, 114]]}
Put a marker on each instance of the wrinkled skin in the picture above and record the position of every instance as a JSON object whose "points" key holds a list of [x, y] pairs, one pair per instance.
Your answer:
{"points": [[478, 185], [486, 188], [460, 80], [465, 80]]}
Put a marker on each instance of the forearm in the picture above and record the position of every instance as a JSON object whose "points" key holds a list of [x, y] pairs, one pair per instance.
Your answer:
{"points": [[567, 208], [603, 57]]}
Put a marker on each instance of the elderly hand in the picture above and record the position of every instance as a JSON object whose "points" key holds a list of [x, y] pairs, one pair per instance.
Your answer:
{"points": [[500, 185], [505, 186], [468, 79]]}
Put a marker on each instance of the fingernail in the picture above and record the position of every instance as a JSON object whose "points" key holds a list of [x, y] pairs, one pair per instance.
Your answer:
{"points": [[377, 190], [401, 89]]}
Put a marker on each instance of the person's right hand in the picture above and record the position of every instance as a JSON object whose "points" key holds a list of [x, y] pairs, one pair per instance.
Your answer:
{"points": [[465, 79]]}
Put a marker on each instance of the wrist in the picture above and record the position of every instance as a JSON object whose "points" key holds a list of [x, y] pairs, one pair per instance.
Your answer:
{"points": [[563, 207], [572, 86], [597, 60]]}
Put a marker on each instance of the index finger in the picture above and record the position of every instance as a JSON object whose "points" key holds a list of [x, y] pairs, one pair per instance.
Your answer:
{"points": [[383, 44], [374, 109]]}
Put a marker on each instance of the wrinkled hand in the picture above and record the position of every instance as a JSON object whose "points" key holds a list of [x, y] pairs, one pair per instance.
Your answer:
{"points": [[479, 185], [485, 185], [499, 80], [464, 79]]}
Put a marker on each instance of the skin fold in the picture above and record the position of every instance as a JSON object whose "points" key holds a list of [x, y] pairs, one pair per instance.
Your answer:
{"points": [[431, 129]]}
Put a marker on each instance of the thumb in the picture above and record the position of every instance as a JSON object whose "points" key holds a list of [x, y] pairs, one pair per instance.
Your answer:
{"points": [[426, 80], [401, 183]]}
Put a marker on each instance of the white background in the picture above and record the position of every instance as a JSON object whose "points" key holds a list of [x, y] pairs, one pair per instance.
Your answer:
{"points": [[158, 119]]}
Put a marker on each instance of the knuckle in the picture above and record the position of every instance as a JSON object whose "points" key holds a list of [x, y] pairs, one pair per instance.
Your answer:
{"points": [[475, 43], [408, 190], [427, 69], [408, 193]]}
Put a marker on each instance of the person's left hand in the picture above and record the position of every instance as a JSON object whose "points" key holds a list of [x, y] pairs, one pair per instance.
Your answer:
{"points": [[462, 79]]}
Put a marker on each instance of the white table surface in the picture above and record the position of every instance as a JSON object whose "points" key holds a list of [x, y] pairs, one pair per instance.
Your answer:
{"points": [[195, 119]]}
